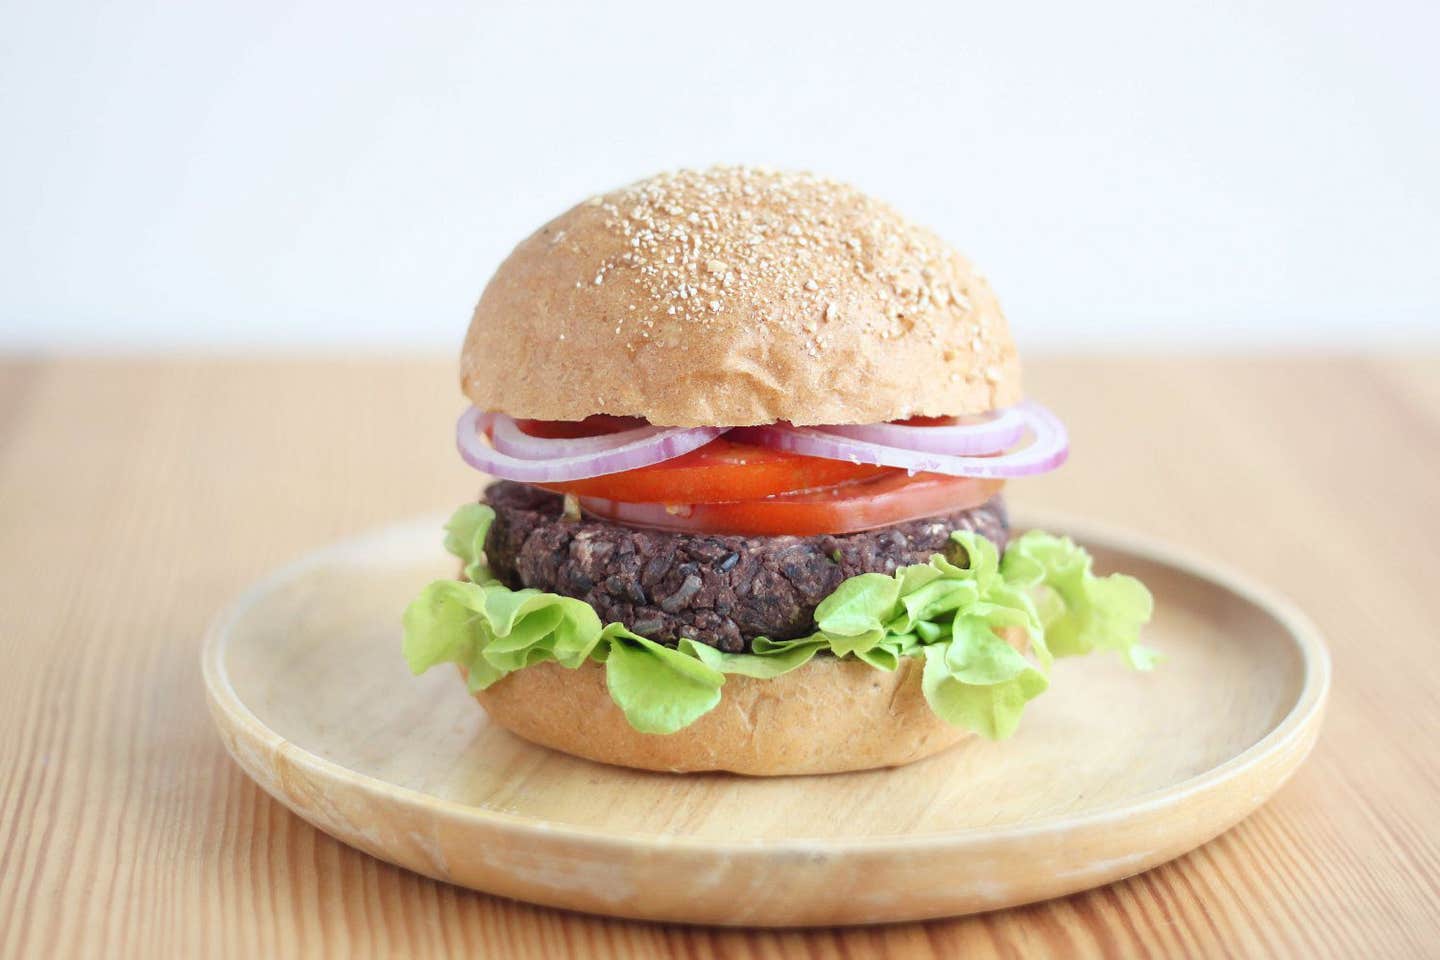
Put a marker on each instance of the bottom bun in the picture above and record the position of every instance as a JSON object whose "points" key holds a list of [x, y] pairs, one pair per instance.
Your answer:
{"points": [[827, 716]]}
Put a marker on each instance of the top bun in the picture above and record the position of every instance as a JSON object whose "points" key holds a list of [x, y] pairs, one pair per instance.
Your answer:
{"points": [[737, 296]]}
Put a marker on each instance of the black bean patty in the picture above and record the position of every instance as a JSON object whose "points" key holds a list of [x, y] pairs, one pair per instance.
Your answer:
{"points": [[723, 590]]}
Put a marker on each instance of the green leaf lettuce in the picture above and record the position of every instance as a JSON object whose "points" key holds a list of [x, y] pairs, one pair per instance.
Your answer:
{"points": [[947, 614]]}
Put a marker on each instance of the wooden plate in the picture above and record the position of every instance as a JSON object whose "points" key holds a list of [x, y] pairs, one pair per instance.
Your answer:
{"points": [[1112, 772]]}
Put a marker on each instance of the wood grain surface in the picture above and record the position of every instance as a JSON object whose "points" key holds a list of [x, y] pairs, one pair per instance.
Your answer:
{"points": [[138, 497]]}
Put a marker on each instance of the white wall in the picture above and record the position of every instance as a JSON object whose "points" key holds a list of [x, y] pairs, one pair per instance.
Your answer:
{"points": [[1127, 171]]}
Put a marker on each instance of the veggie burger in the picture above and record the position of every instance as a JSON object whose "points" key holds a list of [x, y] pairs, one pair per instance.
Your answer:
{"points": [[750, 431]]}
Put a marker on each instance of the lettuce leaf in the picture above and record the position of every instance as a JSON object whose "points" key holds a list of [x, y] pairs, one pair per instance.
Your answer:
{"points": [[465, 538], [492, 630], [1079, 611], [660, 688], [769, 660], [978, 681], [950, 615]]}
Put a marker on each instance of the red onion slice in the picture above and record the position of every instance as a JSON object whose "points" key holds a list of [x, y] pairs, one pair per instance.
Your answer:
{"points": [[1000, 432], [512, 441], [1047, 449], [626, 454]]}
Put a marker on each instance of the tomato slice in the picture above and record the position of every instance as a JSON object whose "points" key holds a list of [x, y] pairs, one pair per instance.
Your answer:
{"points": [[844, 508], [592, 426], [722, 470]]}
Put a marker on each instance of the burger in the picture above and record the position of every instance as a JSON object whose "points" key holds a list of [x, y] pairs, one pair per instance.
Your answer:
{"points": [[748, 432]]}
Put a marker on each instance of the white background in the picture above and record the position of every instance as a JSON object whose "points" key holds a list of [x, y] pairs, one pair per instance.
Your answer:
{"points": [[196, 175]]}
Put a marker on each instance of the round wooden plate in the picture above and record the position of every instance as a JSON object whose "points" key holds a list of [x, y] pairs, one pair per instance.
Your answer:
{"points": [[1111, 773]]}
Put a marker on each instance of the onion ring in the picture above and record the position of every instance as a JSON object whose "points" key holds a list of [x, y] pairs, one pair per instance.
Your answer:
{"points": [[665, 443], [1048, 448]]}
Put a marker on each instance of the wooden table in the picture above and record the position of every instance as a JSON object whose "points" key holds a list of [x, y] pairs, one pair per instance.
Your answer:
{"points": [[138, 496]]}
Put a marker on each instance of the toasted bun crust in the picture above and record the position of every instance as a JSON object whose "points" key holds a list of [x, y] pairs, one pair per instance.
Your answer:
{"points": [[827, 716], [737, 296]]}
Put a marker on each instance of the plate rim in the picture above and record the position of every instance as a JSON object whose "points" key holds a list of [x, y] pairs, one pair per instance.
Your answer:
{"points": [[1298, 722]]}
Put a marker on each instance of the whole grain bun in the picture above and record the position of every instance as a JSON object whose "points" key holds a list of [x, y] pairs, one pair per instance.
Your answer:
{"points": [[737, 296], [827, 716]]}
